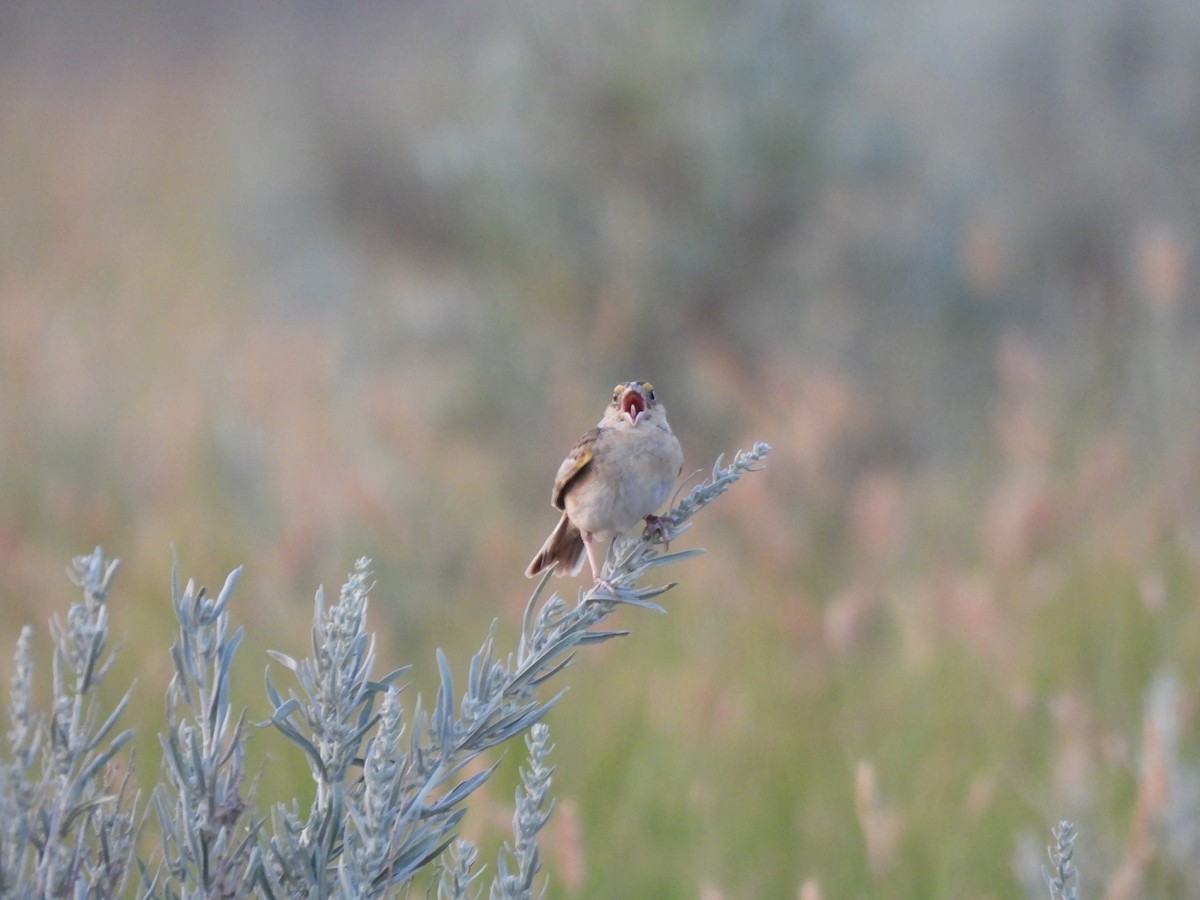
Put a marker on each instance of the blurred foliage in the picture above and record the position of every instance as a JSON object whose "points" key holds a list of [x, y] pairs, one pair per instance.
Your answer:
{"points": [[284, 286]]}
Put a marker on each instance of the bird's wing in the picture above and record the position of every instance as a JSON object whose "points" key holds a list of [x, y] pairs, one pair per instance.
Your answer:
{"points": [[573, 466]]}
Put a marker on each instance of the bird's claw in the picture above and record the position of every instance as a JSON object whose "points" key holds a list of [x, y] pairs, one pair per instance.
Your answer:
{"points": [[661, 528], [603, 584]]}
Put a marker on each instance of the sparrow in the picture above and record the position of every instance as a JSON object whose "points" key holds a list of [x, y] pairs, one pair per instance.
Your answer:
{"points": [[619, 473]]}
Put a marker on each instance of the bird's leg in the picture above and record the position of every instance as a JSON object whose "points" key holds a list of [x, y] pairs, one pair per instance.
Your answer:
{"points": [[589, 544], [662, 527]]}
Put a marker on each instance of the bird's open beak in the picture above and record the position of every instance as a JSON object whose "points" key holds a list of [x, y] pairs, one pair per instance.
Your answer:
{"points": [[633, 404]]}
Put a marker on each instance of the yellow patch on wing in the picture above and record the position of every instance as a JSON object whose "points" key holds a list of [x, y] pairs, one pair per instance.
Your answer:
{"points": [[572, 467]]}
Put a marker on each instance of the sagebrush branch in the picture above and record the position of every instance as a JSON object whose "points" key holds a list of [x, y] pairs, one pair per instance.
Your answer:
{"points": [[391, 785]]}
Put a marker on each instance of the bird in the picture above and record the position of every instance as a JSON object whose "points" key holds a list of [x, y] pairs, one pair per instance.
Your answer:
{"points": [[617, 474]]}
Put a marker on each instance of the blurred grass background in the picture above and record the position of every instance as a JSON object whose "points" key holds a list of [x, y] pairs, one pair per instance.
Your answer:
{"points": [[290, 284]]}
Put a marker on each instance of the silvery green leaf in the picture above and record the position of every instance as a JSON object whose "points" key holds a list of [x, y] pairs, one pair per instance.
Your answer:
{"points": [[283, 659]]}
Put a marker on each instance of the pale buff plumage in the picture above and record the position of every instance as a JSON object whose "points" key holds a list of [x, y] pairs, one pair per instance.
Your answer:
{"points": [[619, 473]]}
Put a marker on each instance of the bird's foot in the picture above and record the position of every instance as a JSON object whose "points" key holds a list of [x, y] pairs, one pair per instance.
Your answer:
{"points": [[603, 584], [661, 528]]}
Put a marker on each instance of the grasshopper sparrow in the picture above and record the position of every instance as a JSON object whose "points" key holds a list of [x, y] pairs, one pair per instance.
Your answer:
{"points": [[621, 471]]}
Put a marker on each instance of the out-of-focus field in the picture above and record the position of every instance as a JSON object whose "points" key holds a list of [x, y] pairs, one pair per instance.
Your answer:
{"points": [[286, 288]]}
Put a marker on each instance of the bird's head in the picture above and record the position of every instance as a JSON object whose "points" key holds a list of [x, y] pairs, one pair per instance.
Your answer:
{"points": [[633, 403]]}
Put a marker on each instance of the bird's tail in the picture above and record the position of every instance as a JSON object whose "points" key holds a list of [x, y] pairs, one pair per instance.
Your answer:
{"points": [[564, 547]]}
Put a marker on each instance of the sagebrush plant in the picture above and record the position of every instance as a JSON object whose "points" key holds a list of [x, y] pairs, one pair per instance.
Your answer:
{"points": [[198, 799], [68, 812], [391, 782], [1062, 878]]}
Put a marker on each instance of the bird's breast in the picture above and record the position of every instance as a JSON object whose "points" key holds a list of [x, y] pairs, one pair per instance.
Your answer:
{"points": [[630, 477]]}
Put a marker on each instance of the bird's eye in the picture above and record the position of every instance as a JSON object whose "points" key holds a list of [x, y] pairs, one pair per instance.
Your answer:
{"points": [[616, 395], [651, 395]]}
